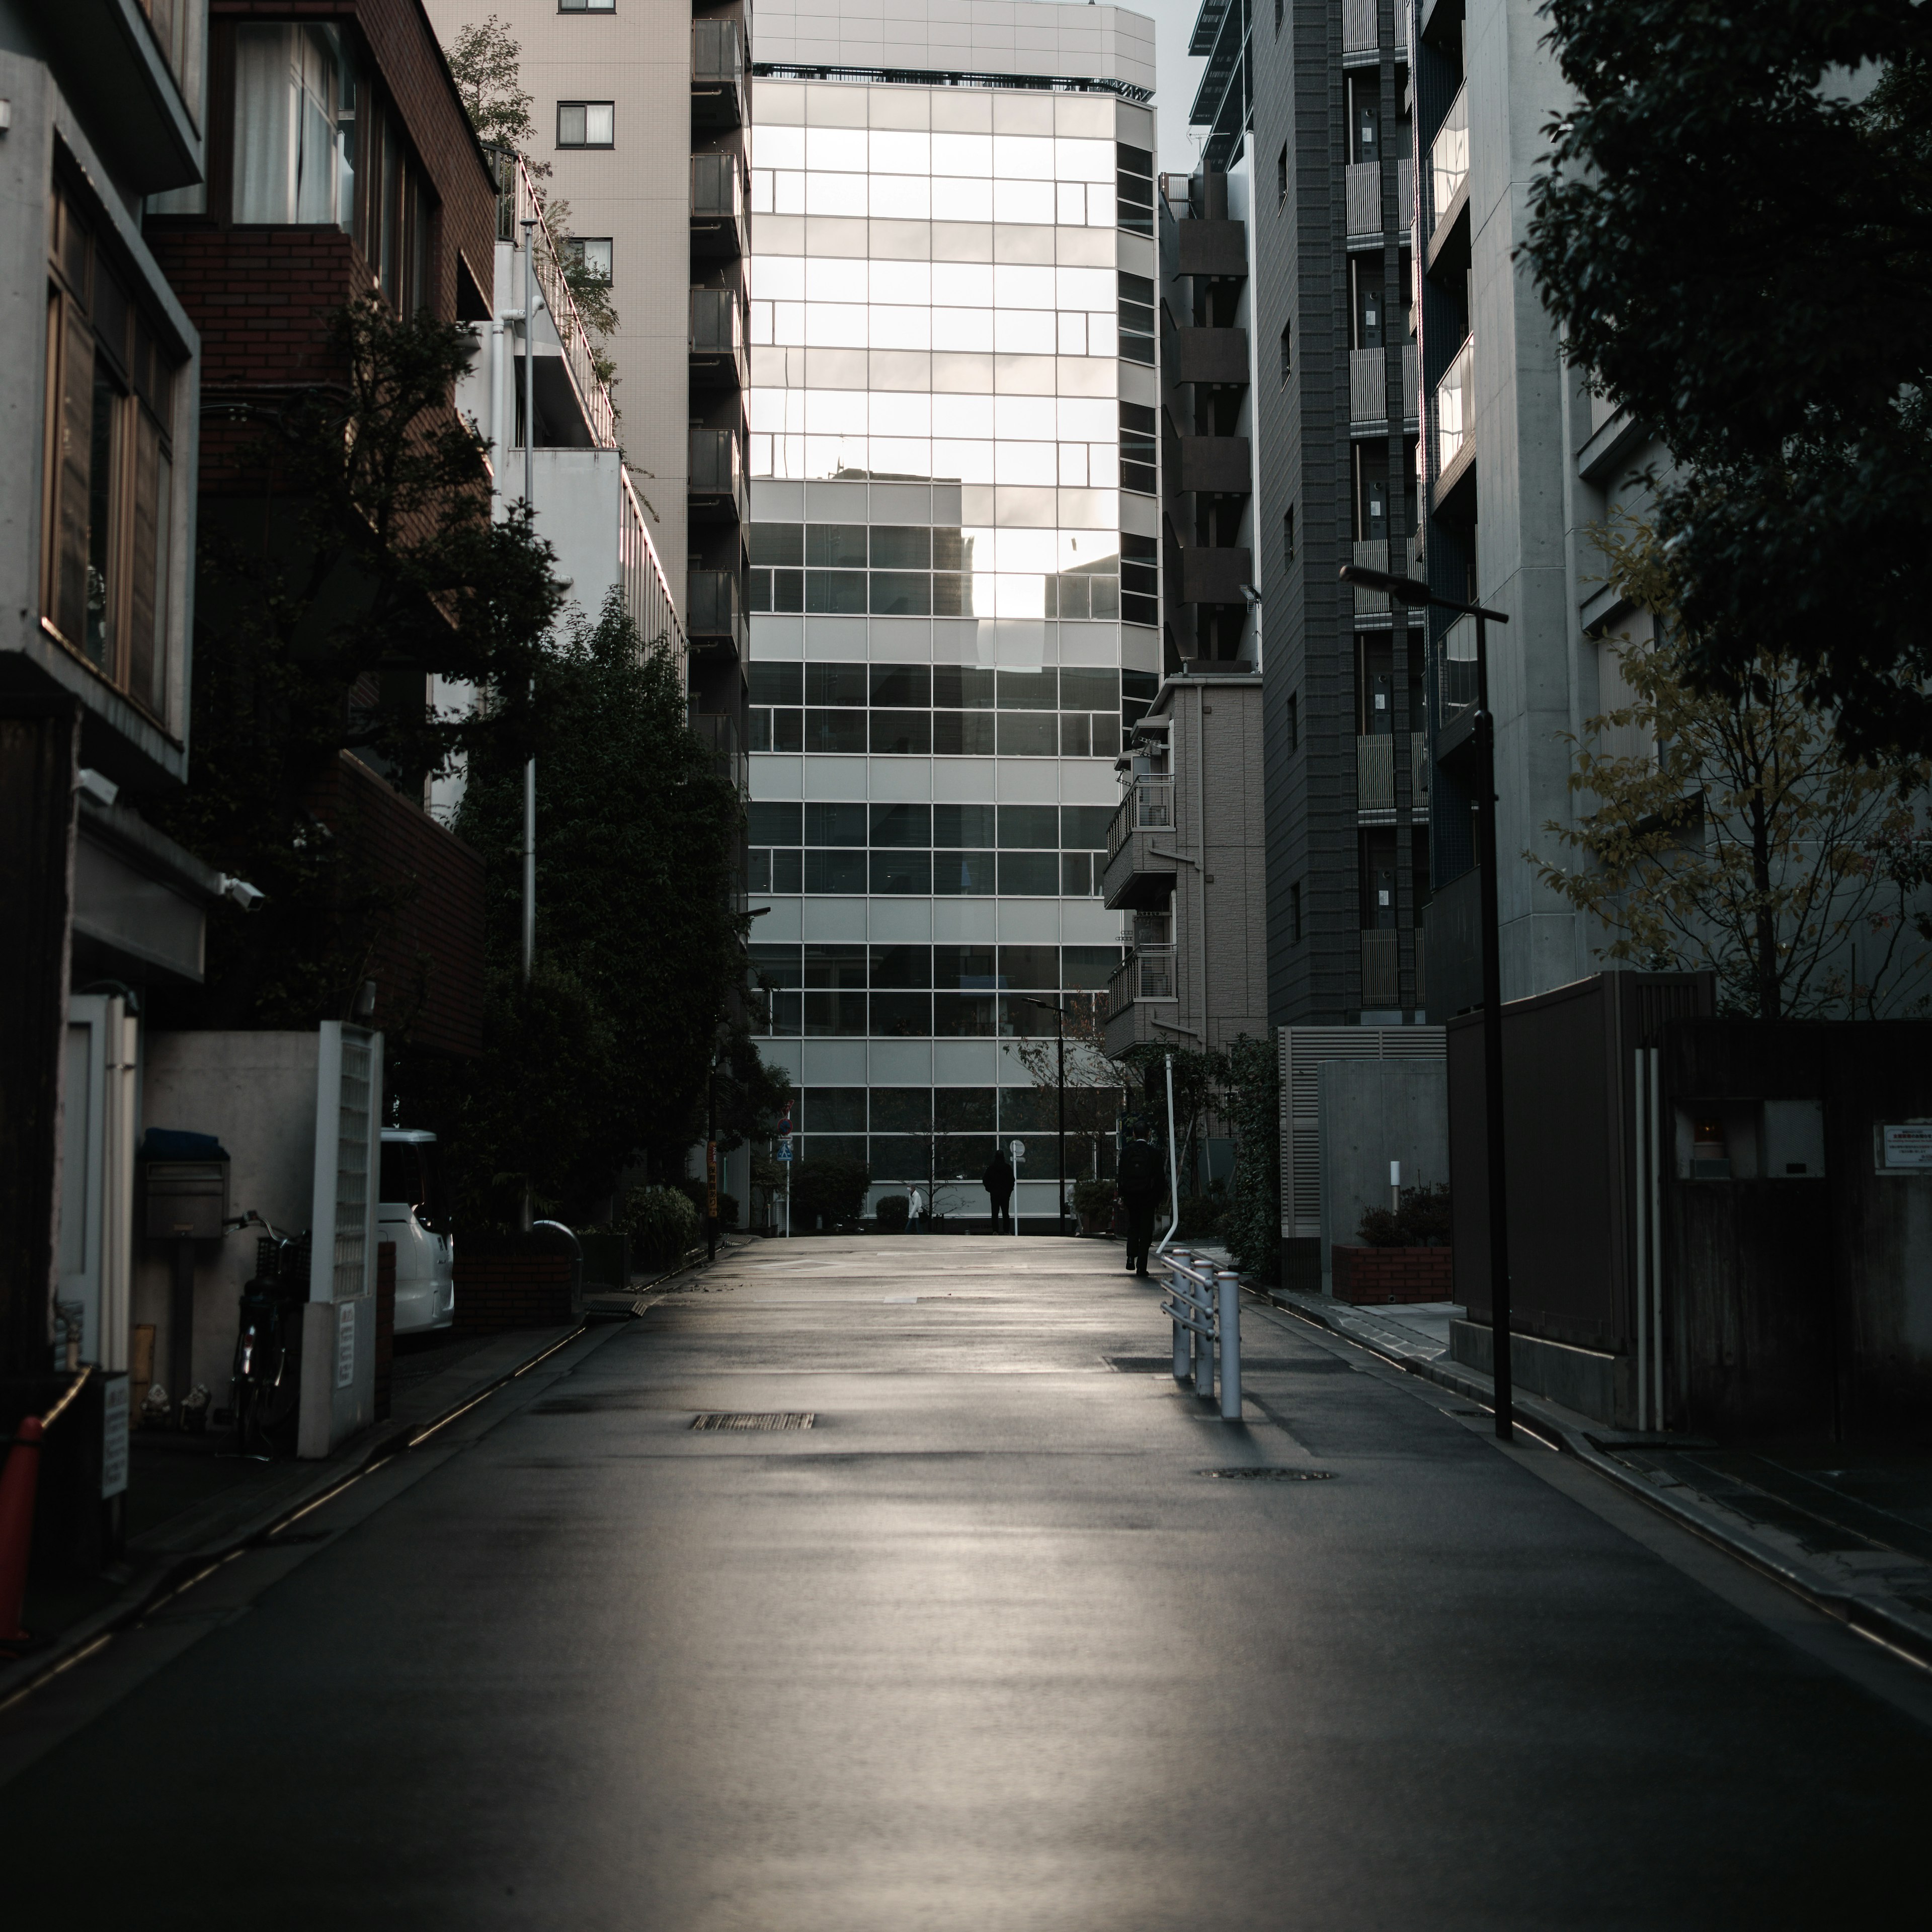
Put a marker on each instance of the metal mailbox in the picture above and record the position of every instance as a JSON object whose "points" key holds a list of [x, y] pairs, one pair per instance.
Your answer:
{"points": [[187, 1200]]}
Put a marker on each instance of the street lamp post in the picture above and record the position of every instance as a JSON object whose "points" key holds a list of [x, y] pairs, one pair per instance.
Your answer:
{"points": [[1060, 1062], [1482, 753]]}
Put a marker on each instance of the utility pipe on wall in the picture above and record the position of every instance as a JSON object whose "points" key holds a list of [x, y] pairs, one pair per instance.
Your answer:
{"points": [[530, 936]]}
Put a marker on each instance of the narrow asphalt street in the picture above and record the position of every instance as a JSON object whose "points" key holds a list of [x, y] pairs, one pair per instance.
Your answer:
{"points": [[985, 1646]]}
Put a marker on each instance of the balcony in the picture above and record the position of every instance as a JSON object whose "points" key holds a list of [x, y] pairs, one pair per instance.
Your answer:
{"points": [[1381, 976], [1210, 355], [1358, 26], [1214, 576], [1455, 406], [717, 74], [714, 612], [717, 480], [718, 355], [1220, 465], [1418, 772], [1449, 163], [1411, 384], [1373, 556], [1362, 196], [717, 731], [1207, 248], [1368, 385], [1375, 775], [718, 206], [1138, 877]]}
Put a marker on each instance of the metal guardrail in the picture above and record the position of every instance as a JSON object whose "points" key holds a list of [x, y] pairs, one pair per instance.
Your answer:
{"points": [[1146, 805], [1204, 1304]]}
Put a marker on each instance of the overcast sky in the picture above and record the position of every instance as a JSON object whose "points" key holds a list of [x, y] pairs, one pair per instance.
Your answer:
{"points": [[1179, 77]]}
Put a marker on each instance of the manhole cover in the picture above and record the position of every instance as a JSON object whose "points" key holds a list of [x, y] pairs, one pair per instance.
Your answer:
{"points": [[741, 1419], [1254, 1475]]}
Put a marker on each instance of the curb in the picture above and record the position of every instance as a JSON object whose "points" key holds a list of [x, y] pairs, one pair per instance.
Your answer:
{"points": [[1909, 1637]]}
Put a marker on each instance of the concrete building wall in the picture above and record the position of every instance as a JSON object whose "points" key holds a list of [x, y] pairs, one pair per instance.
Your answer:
{"points": [[1372, 1112]]}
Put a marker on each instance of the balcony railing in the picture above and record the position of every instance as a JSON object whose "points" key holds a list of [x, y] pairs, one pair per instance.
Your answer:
{"points": [[718, 203], [1449, 156], [1148, 806], [1455, 669], [1381, 978], [647, 599], [1375, 773], [717, 339], [717, 485], [717, 731], [517, 201], [717, 73], [1455, 401], [1146, 974], [1418, 770], [711, 603]]}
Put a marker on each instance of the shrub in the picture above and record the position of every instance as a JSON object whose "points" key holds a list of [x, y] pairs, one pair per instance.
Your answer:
{"points": [[663, 1224], [1422, 1221], [893, 1211], [692, 1188], [829, 1190], [1252, 1226], [1201, 1214], [1092, 1197]]}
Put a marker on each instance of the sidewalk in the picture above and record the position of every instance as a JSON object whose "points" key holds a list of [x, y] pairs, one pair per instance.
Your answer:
{"points": [[1850, 1531]]}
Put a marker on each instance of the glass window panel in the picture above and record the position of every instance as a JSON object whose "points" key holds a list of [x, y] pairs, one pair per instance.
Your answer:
{"points": [[964, 1110], [901, 328], [963, 874], [1106, 734], [962, 416], [963, 687], [1073, 160], [1084, 825], [909, 873], [1076, 735], [1021, 419], [901, 1110], [787, 872], [784, 1014], [835, 412], [1069, 204], [963, 1157], [835, 325], [842, 965], [831, 1110], [788, 730], [776, 147], [1025, 331], [908, 733], [758, 585], [1024, 827], [827, 193], [1087, 968], [1073, 338], [903, 687], [834, 731], [840, 147], [963, 825], [965, 969], [955, 200], [900, 1016], [901, 593], [836, 683], [1103, 334], [901, 282], [1018, 596], [829, 591], [779, 277], [962, 154], [600, 123], [1029, 691], [968, 330], [1066, 597], [771, 823], [1016, 286], [901, 197], [833, 1146], [1076, 875], [758, 869], [963, 462], [760, 729], [778, 684], [1023, 201], [761, 324], [1024, 549], [900, 152], [835, 824], [963, 285], [902, 825], [1031, 875], [1029, 968], [835, 546], [901, 547], [907, 457], [1022, 158], [788, 324], [1092, 690], [963, 1015], [899, 1157], [788, 191], [949, 550], [1020, 1019], [896, 968], [967, 734], [834, 872], [1105, 592], [952, 596], [1029, 1110], [1088, 419], [777, 965]]}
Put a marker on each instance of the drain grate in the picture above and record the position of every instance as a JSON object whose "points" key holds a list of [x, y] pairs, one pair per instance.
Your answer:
{"points": [[744, 1419], [1254, 1475]]}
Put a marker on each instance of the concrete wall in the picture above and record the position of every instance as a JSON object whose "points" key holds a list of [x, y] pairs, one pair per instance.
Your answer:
{"points": [[1373, 1111]]}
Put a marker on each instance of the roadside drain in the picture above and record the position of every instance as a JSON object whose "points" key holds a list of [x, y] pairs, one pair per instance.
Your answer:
{"points": [[744, 1420], [1253, 1475]]}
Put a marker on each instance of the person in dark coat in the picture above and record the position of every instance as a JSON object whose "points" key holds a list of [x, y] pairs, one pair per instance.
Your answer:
{"points": [[1140, 1184], [997, 1181]]}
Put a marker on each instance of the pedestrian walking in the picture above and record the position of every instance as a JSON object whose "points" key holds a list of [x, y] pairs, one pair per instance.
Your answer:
{"points": [[997, 1181], [1139, 1184], [916, 1207]]}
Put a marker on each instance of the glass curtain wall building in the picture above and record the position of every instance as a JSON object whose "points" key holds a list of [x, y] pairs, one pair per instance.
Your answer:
{"points": [[954, 590]]}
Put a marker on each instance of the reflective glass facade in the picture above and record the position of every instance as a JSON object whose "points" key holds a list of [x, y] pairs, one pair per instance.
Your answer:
{"points": [[954, 594]]}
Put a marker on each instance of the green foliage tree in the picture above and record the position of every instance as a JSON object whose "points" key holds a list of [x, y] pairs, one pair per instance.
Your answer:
{"points": [[1731, 230], [1093, 1091], [831, 1189], [1251, 1101], [604, 1057], [1741, 838], [364, 559]]}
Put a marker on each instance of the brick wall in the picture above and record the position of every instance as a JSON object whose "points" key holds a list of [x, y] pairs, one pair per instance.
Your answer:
{"points": [[1368, 1276], [428, 969], [504, 1286]]}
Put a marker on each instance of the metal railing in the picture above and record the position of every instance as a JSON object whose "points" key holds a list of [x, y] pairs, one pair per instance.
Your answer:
{"points": [[1146, 806], [1455, 400], [1375, 773], [517, 201], [1204, 1304], [1382, 979], [712, 603], [647, 599], [1449, 156], [1146, 974]]}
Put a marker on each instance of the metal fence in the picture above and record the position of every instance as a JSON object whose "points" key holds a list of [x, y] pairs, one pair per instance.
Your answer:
{"points": [[1204, 1304]]}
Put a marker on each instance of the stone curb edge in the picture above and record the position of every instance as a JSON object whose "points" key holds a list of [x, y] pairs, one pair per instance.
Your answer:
{"points": [[1910, 1637]]}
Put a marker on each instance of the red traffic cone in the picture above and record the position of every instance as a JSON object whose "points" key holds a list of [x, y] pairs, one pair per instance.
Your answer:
{"points": [[18, 1481]]}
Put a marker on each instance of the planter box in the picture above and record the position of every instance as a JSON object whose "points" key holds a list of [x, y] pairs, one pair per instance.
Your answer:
{"points": [[1368, 1276], [508, 1284]]}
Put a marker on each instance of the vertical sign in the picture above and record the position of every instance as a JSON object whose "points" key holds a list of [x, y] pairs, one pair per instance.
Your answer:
{"points": [[345, 1344]]}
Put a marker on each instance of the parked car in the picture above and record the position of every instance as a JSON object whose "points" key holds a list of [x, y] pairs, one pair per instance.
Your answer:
{"points": [[411, 1213]]}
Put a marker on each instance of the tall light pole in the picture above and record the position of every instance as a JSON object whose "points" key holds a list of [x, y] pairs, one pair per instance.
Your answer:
{"points": [[1480, 751], [529, 934], [1060, 1059]]}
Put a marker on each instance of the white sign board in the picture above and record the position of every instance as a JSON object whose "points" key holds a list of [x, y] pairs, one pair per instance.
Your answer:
{"points": [[1016, 1152], [345, 1344], [1909, 1145], [114, 1436]]}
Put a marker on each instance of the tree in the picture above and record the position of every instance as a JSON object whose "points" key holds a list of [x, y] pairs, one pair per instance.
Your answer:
{"points": [[363, 559], [638, 942], [1251, 1100], [1731, 231], [1092, 1087], [1198, 1076], [1740, 836]]}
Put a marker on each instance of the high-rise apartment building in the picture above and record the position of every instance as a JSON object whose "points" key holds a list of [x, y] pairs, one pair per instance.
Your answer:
{"points": [[1305, 107], [955, 568]]}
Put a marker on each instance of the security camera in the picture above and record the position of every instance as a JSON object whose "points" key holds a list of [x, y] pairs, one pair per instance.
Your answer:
{"points": [[246, 896]]}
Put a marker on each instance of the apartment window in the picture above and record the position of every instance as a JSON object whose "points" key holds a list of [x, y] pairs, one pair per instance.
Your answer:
{"points": [[585, 124], [396, 212], [108, 468], [1140, 580], [1134, 187], [1137, 427], [1288, 535], [1294, 913], [1136, 301], [295, 95], [591, 253], [1281, 174], [586, 6], [1287, 352]]}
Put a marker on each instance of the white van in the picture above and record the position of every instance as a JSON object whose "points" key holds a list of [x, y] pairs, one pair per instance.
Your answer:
{"points": [[411, 1214]]}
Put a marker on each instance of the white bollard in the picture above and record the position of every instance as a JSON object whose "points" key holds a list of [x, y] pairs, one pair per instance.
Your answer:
{"points": [[1229, 1285]]}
